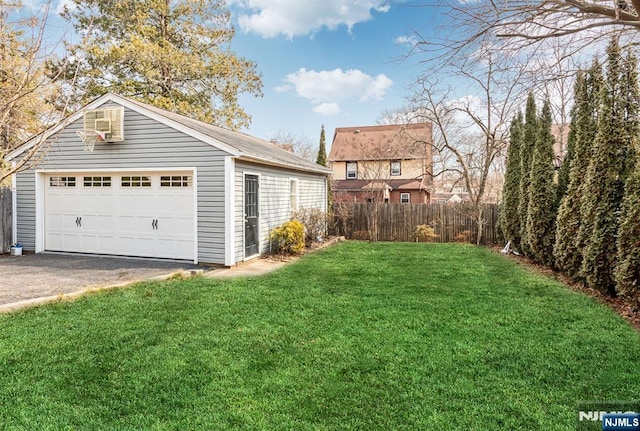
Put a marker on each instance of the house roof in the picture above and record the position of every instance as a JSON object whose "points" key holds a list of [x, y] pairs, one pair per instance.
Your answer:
{"points": [[396, 141], [240, 145]]}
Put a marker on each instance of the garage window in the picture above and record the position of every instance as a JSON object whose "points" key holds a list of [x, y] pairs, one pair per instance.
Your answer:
{"points": [[136, 181], [176, 181], [97, 181], [62, 181]]}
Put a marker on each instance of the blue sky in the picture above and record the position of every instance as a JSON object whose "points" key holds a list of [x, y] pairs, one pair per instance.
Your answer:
{"points": [[331, 62]]}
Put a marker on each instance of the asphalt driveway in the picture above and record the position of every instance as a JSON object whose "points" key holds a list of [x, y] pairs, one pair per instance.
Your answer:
{"points": [[43, 275]]}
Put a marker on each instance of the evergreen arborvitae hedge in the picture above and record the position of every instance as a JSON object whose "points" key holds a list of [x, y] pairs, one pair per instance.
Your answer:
{"points": [[609, 169], [509, 219], [568, 248], [627, 272], [541, 211], [529, 135]]}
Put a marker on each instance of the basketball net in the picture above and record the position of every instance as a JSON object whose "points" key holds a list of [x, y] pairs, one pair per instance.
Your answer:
{"points": [[89, 138]]}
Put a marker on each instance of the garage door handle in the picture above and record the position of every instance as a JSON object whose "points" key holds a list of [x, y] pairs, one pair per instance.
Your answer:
{"points": [[79, 221], [154, 224]]}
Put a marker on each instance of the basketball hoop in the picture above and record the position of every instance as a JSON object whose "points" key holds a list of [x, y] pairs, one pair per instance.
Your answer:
{"points": [[89, 138]]}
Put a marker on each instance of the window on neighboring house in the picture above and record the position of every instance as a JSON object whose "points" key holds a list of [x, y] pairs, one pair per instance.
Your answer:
{"points": [[395, 168], [352, 170], [293, 195], [405, 198]]}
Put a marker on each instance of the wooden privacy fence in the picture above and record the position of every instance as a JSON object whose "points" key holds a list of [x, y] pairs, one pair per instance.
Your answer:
{"points": [[6, 217], [398, 222]]}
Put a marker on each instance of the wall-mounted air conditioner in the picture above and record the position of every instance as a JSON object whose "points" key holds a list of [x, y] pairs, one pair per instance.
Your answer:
{"points": [[108, 121]]}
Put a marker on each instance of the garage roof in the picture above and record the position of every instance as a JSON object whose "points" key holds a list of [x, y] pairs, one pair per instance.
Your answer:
{"points": [[241, 145]]}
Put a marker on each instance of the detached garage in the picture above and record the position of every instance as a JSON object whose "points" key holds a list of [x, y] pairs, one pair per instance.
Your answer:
{"points": [[125, 178]]}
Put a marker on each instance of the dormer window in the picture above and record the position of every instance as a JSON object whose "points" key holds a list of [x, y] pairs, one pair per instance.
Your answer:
{"points": [[352, 170], [395, 168]]}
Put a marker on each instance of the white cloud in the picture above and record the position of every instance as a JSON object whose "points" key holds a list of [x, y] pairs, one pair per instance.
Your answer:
{"points": [[338, 85], [283, 88], [327, 109], [405, 40], [327, 88], [62, 4], [271, 18]]}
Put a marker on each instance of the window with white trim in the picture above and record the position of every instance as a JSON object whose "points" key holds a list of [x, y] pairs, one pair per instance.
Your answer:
{"points": [[136, 181], [395, 168], [96, 181], [176, 181], [293, 195], [62, 181], [352, 170], [405, 198]]}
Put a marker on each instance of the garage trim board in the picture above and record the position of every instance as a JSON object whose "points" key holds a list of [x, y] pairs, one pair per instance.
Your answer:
{"points": [[142, 212]]}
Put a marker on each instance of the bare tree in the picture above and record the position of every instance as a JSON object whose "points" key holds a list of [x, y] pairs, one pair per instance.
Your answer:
{"points": [[577, 23], [471, 130], [300, 145], [26, 91]]}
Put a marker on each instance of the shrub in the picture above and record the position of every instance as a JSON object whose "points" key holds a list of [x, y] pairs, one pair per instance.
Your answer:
{"points": [[360, 235], [425, 233], [464, 236], [315, 224], [288, 238]]}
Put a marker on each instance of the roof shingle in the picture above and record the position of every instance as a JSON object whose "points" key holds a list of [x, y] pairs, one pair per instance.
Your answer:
{"points": [[397, 141]]}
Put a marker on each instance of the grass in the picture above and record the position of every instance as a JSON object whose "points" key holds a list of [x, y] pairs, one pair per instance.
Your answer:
{"points": [[360, 336]]}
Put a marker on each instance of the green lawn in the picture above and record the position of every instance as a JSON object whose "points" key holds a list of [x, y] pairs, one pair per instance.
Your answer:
{"points": [[360, 336]]}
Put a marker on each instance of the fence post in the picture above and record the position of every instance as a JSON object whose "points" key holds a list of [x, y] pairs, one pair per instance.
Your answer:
{"points": [[6, 218]]}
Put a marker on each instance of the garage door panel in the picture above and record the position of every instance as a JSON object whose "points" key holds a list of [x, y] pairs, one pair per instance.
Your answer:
{"points": [[119, 216]]}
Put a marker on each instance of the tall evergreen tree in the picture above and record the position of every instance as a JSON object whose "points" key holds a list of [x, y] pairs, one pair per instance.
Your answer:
{"points": [[172, 54], [584, 122], [529, 136], [609, 168], [509, 219], [541, 211], [322, 150], [627, 272]]}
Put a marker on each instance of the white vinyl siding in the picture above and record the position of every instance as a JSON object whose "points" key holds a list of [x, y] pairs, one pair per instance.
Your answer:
{"points": [[293, 195], [275, 199]]}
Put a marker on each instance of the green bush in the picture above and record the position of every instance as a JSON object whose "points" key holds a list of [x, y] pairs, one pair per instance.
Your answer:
{"points": [[288, 238]]}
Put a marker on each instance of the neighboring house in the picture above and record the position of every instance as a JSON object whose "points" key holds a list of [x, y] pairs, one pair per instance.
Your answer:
{"points": [[390, 163], [450, 198], [159, 185]]}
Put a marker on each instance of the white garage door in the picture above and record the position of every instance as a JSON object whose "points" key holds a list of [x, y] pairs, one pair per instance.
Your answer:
{"points": [[128, 213]]}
